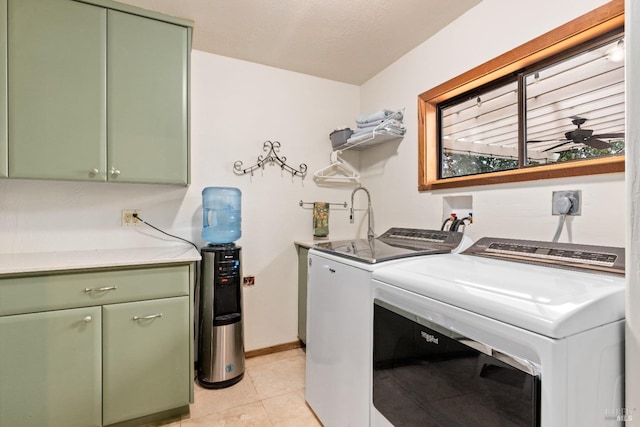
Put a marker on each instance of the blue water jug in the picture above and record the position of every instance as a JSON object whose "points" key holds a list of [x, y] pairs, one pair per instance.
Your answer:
{"points": [[221, 215]]}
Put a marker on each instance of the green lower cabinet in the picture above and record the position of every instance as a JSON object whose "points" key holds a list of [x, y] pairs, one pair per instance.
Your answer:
{"points": [[4, 168], [145, 358], [302, 293], [50, 369]]}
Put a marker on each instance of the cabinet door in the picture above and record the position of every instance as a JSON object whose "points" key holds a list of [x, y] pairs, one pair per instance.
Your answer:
{"points": [[302, 293], [147, 92], [50, 369], [145, 358], [3, 89], [57, 108]]}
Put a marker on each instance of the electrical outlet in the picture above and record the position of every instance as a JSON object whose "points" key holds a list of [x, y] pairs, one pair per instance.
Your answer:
{"points": [[561, 199], [128, 219]]}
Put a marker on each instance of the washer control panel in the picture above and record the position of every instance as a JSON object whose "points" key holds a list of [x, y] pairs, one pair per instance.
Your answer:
{"points": [[417, 236], [604, 259]]}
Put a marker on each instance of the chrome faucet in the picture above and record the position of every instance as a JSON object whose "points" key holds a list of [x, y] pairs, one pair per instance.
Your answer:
{"points": [[370, 233]]}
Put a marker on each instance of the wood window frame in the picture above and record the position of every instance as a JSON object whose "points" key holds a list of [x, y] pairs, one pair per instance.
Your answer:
{"points": [[580, 30]]}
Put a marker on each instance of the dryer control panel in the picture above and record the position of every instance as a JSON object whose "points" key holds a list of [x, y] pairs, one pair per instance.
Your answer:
{"points": [[604, 259]]}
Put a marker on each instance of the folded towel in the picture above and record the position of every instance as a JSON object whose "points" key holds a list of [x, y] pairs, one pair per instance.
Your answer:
{"points": [[366, 118], [320, 219], [368, 126], [378, 115]]}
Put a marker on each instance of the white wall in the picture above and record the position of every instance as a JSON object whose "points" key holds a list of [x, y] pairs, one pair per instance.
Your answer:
{"points": [[519, 210], [632, 350], [236, 106]]}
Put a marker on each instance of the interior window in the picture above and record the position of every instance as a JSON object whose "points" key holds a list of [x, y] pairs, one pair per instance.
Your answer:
{"points": [[553, 107]]}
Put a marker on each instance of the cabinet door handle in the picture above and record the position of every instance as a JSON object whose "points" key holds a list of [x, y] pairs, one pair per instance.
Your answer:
{"points": [[87, 319], [149, 317], [114, 172], [93, 172], [103, 289]]}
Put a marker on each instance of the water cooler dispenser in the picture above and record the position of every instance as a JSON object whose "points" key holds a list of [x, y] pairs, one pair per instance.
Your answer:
{"points": [[220, 337]]}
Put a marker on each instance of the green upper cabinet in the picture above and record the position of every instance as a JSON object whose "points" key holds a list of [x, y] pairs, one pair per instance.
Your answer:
{"points": [[57, 90], [147, 100], [94, 93], [3, 89]]}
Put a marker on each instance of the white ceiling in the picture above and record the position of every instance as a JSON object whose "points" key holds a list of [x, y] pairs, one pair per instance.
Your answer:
{"points": [[343, 40]]}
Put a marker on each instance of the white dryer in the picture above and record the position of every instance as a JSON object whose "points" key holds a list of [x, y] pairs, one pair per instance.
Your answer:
{"points": [[339, 316], [507, 333]]}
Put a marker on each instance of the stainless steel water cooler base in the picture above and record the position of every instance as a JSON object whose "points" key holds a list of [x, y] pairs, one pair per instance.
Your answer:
{"points": [[227, 367], [221, 342]]}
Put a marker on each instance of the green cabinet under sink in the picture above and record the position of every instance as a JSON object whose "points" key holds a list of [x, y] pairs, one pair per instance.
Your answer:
{"points": [[303, 252]]}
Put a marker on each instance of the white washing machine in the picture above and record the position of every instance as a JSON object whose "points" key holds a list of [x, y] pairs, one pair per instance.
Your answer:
{"points": [[509, 332], [338, 359]]}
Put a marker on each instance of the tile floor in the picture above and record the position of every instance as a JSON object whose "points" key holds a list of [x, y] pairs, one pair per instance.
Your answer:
{"points": [[271, 394]]}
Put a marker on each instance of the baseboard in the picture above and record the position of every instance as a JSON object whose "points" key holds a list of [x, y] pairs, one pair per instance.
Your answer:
{"points": [[274, 349], [161, 418]]}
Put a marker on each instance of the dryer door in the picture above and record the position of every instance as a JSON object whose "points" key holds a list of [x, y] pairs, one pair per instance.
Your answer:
{"points": [[426, 375]]}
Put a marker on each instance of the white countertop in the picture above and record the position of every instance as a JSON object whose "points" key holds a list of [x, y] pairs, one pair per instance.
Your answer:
{"points": [[85, 259]]}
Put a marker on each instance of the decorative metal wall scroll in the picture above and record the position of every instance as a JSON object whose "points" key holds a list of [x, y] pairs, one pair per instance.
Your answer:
{"points": [[271, 158]]}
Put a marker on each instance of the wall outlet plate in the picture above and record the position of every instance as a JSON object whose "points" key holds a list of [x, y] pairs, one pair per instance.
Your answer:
{"points": [[128, 219], [559, 200]]}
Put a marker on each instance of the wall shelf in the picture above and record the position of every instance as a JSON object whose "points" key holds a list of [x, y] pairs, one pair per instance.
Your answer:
{"points": [[375, 139], [387, 130]]}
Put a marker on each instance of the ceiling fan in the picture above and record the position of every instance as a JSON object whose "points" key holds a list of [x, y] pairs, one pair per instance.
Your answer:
{"points": [[582, 136]]}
